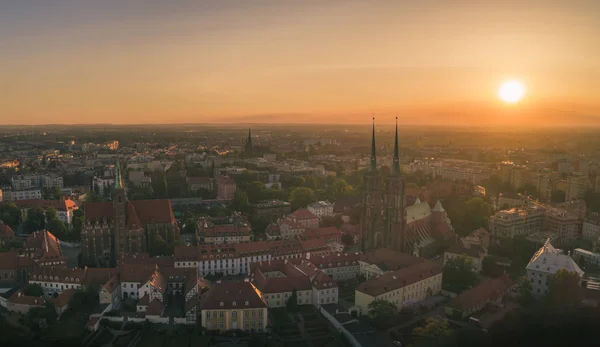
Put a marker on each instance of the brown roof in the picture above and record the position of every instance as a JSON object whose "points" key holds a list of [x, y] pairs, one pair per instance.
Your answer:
{"points": [[471, 250], [22, 299], [400, 278], [388, 259], [145, 211], [137, 272], [5, 231], [294, 277], [144, 258], [99, 276], [191, 303], [158, 281], [59, 205], [47, 246], [481, 293], [336, 260], [112, 284], [12, 260], [144, 301], [58, 274], [155, 308], [322, 281], [327, 233], [233, 292], [63, 298], [314, 245], [303, 214]]}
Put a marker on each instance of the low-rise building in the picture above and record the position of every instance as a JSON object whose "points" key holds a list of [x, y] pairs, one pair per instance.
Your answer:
{"points": [[383, 260], [44, 248], [404, 287], [517, 222], [21, 303], [544, 264], [271, 209], [564, 224], [225, 188], [321, 209], [475, 253], [197, 183], [591, 227], [15, 268], [339, 266], [490, 291], [587, 256], [232, 229], [64, 208], [234, 305]]}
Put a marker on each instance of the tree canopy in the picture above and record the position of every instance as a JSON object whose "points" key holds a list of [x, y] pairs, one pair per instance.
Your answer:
{"points": [[300, 197], [458, 274], [434, 333], [381, 311], [565, 288]]}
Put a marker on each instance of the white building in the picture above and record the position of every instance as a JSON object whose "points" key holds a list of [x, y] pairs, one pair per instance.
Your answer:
{"points": [[103, 183], [544, 264], [321, 209], [28, 194], [589, 257], [591, 228]]}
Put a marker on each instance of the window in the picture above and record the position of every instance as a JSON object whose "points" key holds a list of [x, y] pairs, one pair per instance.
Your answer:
{"points": [[221, 304], [246, 303]]}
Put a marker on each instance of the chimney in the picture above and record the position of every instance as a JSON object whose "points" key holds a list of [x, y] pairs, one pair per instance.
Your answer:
{"points": [[19, 295]]}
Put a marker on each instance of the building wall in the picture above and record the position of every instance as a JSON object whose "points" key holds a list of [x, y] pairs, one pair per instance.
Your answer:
{"points": [[590, 231], [245, 319], [407, 295], [540, 281]]}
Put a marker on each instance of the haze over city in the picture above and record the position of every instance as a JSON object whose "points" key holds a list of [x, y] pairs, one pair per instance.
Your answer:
{"points": [[430, 62]]}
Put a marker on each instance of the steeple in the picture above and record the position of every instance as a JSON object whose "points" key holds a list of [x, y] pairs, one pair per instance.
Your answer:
{"points": [[118, 179], [249, 138], [396, 166], [373, 155]]}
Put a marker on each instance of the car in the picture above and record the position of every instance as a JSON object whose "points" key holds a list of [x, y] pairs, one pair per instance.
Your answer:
{"points": [[397, 343]]}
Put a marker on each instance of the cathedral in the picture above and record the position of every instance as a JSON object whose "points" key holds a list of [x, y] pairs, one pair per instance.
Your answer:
{"points": [[123, 226], [387, 222]]}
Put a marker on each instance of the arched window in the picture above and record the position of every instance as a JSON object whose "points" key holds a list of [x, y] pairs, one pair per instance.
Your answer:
{"points": [[234, 304], [221, 304], [246, 303]]}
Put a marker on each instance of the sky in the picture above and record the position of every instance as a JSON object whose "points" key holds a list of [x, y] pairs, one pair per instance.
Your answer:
{"points": [[287, 61]]}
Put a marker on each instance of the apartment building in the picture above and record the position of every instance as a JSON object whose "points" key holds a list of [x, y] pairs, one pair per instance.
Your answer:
{"points": [[566, 226], [231, 229], [590, 229], [517, 222], [271, 209], [321, 209]]}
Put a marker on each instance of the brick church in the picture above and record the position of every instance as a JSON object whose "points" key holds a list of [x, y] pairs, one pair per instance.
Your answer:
{"points": [[387, 222], [123, 226]]}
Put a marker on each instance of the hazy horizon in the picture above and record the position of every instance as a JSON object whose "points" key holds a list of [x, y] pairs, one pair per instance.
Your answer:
{"points": [[431, 62]]}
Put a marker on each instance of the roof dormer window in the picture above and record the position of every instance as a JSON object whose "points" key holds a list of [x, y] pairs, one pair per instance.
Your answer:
{"points": [[247, 303], [221, 304]]}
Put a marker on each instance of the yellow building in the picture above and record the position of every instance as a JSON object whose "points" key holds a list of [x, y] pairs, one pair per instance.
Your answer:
{"points": [[402, 287], [234, 305]]}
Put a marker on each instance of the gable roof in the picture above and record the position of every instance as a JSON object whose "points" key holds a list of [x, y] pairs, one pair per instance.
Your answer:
{"points": [[303, 214], [142, 212], [233, 292], [388, 259], [155, 308], [46, 245], [6, 231], [549, 259], [12, 260], [400, 278], [487, 290]]}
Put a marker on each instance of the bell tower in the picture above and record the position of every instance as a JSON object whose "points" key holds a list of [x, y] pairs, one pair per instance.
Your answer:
{"points": [[394, 204], [372, 235]]}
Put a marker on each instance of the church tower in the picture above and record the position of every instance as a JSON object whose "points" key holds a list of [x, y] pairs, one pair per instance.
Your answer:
{"points": [[371, 219], [119, 213], [249, 148], [394, 204]]}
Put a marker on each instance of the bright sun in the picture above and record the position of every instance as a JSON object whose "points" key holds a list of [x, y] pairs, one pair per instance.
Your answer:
{"points": [[511, 91]]}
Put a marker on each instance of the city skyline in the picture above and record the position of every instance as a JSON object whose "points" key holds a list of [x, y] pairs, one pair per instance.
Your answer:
{"points": [[67, 62]]}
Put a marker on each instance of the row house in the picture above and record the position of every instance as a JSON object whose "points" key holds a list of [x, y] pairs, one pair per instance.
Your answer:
{"points": [[339, 266], [44, 248]]}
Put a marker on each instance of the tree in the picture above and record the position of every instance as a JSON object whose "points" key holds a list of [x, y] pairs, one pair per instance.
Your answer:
{"points": [[525, 295], [10, 214], [41, 316], [348, 239], [33, 290], [57, 227], [160, 186], [565, 289], [435, 332], [381, 311], [190, 226], [255, 191], [292, 303], [50, 213], [159, 247], [332, 221], [51, 193], [240, 201], [36, 220], [301, 196], [459, 274], [490, 267]]}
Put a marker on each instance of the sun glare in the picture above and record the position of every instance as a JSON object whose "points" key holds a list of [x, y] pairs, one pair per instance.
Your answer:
{"points": [[511, 91]]}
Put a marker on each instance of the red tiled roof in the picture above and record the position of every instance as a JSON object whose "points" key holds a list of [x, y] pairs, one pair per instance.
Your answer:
{"points": [[322, 281], [5, 231], [63, 298], [225, 180], [144, 258], [12, 260], [137, 272], [314, 245], [230, 292], [144, 301], [155, 308], [47, 246], [58, 274], [400, 278], [338, 259], [100, 276], [327, 233], [303, 214], [133, 222], [21, 299], [485, 291], [147, 211], [59, 205], [390, 259]]}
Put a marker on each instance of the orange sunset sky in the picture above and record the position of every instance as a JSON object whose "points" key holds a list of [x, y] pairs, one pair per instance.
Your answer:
{"points": [[185, 61]]}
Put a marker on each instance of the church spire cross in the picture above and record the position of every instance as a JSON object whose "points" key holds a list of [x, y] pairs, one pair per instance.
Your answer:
{"points": [[373, 155], [396, 167]]}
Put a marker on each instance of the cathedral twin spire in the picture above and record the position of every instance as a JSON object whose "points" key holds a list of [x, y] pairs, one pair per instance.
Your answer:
{"points": [[396, 163]]}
